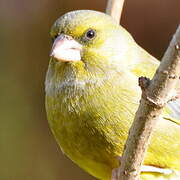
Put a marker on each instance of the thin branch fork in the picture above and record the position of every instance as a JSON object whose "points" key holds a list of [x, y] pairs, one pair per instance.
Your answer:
{"points": [[155, 95]]}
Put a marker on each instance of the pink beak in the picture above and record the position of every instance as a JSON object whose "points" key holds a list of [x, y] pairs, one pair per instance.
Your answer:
{"points": [[66, 49]]}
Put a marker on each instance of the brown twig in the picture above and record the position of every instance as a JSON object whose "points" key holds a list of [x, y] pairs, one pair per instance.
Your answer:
{"points": [[154, 98], [114, 9]]}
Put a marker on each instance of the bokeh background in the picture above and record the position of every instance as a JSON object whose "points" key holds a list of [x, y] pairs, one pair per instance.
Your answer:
{"points": [[27, 149]]}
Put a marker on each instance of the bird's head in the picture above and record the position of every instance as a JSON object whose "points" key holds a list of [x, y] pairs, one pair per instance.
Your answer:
{"points": [[88, 42]]}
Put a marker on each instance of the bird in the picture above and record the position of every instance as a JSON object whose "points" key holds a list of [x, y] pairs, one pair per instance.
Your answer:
{"points": [[92, 95]]}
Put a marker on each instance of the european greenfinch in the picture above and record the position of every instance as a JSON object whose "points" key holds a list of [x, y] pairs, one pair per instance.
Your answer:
{"points": [[92, 95]]}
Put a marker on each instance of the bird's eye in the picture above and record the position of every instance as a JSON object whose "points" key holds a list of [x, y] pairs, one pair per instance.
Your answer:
{"points": [[90, 34]]}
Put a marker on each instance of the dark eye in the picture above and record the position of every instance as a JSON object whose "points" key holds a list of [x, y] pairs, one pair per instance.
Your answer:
{"points": [[90, 34]]}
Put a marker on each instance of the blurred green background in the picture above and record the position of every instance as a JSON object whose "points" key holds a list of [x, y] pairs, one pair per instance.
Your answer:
{"points": [[27, 149]]}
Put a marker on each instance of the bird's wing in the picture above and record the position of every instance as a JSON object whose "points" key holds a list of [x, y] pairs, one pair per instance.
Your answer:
{"points": [[172, 111]]}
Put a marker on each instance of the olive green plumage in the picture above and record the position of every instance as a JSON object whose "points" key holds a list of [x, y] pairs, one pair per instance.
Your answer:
{"points": [[91, 103]]}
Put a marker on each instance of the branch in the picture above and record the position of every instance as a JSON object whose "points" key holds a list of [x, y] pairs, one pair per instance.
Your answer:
{"points": [[155, 95], [114, 9]]}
